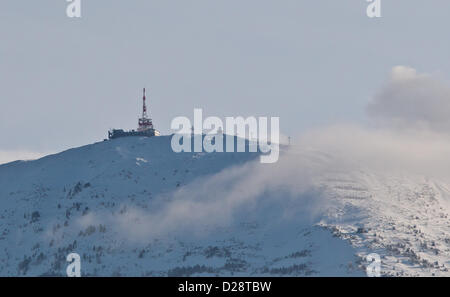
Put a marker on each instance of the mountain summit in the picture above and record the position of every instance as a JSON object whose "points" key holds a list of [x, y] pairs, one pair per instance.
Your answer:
{"points": [[133, 207]]}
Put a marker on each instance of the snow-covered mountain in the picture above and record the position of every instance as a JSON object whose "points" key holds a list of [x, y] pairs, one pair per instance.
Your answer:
{"points": [[133, 207]]}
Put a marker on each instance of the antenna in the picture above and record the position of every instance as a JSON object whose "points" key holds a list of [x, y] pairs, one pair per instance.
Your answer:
{"points": [[145, 122], [144, 107]]}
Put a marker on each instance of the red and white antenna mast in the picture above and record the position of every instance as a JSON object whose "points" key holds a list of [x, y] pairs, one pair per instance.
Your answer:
{"points": [[144, 107], [145, 122]]}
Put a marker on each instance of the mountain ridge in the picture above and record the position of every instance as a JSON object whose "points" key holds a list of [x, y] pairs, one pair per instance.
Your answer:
{"points": [[132, 207]]}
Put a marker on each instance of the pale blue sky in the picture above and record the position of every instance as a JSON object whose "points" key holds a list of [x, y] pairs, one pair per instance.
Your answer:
{"points": [[64, 82]]}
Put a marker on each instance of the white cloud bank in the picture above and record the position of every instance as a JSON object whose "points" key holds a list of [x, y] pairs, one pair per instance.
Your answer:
{"points": [[411, 100], [222, 198], [416, 102], [10, 156]]}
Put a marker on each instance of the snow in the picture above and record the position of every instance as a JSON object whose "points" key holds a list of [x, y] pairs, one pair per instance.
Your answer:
{"points": [[108, 202]]}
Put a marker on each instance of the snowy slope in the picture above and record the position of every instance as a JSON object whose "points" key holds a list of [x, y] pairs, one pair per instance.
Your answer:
{"points": [[133, 207], [404, 219]]}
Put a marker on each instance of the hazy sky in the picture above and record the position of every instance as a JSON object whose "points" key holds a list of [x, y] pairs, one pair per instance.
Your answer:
{"points": [[64, 82]]}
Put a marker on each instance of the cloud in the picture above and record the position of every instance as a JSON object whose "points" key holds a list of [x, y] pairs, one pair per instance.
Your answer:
{"points": [[412, 100], [290, 190], [10, 156], [383, 150], [222, 198]]}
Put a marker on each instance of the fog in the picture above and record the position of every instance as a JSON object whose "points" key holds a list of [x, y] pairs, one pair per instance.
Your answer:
{"points": [[288, 189]]}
